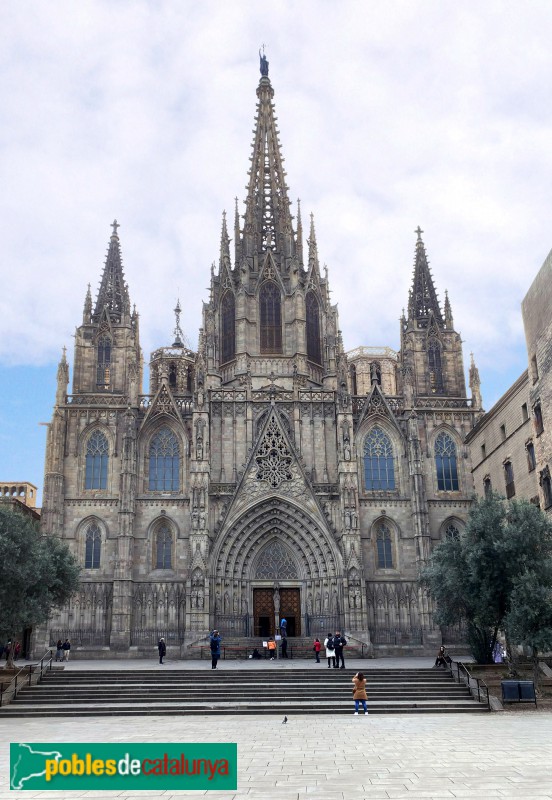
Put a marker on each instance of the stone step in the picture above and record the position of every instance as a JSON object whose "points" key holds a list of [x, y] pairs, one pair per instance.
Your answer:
{"points": [[262, 691]]}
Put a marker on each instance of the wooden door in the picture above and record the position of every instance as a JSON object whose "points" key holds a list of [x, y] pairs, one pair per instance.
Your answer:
{"points": [[263, 612], [290, 608]]}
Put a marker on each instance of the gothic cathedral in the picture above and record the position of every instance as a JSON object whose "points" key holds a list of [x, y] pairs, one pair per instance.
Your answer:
{"points": [[271, 473]]}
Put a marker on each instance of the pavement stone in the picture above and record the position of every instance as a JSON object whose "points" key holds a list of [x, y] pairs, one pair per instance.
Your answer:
{"points": [[427, 756]]}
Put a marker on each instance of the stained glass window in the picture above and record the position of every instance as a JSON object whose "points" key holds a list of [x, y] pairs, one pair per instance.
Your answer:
{"points": [[97, 455], [452, 532], [164, 462], [445, 463], [379, 466]]}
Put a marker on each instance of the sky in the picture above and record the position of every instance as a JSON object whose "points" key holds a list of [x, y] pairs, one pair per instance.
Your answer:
{"points": [[391, 115]]}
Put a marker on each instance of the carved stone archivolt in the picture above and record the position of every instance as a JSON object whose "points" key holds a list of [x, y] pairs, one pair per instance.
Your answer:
{"points": [[239, 548]]}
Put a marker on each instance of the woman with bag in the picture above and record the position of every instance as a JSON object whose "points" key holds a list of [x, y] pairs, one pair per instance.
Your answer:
{"points": [[359, 692], [330, 653]]}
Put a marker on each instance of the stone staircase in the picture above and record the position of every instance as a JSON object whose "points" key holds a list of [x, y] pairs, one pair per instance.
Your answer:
{"points": [[263, 689]]}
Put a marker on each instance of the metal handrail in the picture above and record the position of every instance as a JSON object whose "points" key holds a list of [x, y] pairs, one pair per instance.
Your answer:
{"points": [[30, 671], [464, 675]]}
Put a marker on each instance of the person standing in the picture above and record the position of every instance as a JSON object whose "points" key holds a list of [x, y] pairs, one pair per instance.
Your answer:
{"points": [[59, 650], [330, 652], [162, 647], [66, 647], [215, 639], [283, 627], [271, 644], [359, 692], [317, 647], [339, 642]]}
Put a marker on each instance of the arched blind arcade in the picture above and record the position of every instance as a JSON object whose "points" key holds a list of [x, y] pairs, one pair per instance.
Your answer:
{"points": [[163, 547], [93, 546], [270, 306], [435, 367]]}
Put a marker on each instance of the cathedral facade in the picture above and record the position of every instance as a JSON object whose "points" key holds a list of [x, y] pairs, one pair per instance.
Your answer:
{"points": [[268, 474]]}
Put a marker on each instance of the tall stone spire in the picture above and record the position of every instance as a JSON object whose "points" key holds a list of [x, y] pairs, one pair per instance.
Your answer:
{"points": [[87, 310], [268, 218], [224, 260], [113, 292], [423, 299], [313, 247]]}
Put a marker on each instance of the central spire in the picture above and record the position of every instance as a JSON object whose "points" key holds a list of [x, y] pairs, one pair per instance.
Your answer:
{"points": [[268, 220], [423, 297], [113, 292]]}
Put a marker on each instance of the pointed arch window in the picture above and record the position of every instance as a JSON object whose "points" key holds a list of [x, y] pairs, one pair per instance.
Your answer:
{"points": [[164, 462], [189, 379], [313, 328], [353, 375], [93, 547], [103, 364], [173, 375], [227, 327], [379, 464], [384, 546], [270, 306], [435, 367], [452, 532], [163, 547], [445, 463], [97, 457]]}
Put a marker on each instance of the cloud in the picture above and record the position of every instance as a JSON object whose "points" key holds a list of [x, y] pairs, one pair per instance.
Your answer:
{"points": [[391, 115]]}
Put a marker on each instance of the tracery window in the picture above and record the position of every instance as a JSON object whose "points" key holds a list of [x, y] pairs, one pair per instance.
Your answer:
{"points": [[435, 367], [313, 328], [384, 547], [270, 303], [452, 532], [97, 456], [227, 327], [445, 463], [379, 465], [276, 563], [93, 546], [103, 363], [163, 547], [164, 462], [273, 457]]}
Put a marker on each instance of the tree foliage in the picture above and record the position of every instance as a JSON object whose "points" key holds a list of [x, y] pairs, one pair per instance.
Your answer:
{"points": [[484, 577], [37, 574]]}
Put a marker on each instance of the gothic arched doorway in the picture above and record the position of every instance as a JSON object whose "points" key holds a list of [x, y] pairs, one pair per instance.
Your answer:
{"points": [[276, 563]]}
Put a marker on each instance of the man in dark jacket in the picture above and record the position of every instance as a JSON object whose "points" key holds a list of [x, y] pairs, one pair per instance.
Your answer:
{"points": [[66, 647], [339, 644], [162, 647], [215, 639]]}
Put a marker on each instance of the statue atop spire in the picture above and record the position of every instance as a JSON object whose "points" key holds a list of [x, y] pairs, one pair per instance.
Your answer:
{"points": [[263, 63]]}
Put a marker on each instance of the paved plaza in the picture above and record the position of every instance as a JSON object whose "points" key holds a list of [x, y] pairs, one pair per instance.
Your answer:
{"points": [[387, 756]]}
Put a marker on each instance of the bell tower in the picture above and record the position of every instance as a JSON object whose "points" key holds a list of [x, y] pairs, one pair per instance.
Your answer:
{"points": [[107, 345], [269, 313], [431, 350]]}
